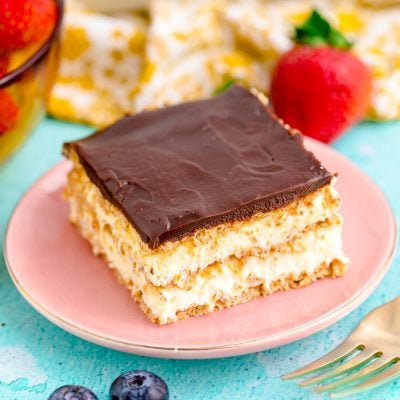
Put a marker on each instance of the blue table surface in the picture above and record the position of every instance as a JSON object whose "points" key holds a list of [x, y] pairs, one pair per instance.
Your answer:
{"points": [[36, 357]]}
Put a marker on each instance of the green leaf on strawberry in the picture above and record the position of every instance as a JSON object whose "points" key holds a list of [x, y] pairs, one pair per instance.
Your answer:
{"points": [[225, 85], [316, 31]]}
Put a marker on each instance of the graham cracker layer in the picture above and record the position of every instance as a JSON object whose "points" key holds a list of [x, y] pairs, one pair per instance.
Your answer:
{"points": [[334, 269]]}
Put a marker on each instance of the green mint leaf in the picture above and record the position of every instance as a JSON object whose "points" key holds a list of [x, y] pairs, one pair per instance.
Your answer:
{"points": [[316, 31], [224, 86]]}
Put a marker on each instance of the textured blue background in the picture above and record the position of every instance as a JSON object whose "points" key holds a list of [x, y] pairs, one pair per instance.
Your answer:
{"points": [[36, 356]]}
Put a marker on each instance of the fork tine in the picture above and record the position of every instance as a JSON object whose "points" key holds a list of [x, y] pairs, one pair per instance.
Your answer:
{"points": [[387, 375], [371, 369], [357, 361], [338, 354]]}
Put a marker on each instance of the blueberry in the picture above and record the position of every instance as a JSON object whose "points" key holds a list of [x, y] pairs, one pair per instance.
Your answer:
{"points": [[139, 385], [72, 392]]}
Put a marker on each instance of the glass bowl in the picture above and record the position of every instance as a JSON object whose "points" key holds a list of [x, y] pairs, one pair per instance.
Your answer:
{"points": [[29, 86]]}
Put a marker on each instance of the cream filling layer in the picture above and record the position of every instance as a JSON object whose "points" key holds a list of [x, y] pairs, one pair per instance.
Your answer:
{"points": [[234, 277]]}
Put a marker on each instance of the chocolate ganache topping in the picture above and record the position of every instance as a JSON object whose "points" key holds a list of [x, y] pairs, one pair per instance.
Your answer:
{"points": [[199, 164]]}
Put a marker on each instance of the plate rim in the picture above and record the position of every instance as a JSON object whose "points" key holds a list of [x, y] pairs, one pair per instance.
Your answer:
{"points": [[214, 351]]}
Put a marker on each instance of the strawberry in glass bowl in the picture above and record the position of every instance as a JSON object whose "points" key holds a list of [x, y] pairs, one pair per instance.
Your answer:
{"points": [[29, 47]]}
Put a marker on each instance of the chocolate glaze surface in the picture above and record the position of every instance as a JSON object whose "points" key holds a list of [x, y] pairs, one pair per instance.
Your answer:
{"points": [[196, 165]]}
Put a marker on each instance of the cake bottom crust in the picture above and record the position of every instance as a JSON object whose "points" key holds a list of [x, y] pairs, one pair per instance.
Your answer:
{"points": [[334, 269]]}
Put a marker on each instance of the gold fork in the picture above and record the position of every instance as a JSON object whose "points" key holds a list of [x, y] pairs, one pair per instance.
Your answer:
{"points": [[368, 357]]}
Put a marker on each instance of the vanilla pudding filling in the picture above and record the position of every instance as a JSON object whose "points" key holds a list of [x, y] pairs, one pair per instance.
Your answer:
{"points": [[319, 246]]}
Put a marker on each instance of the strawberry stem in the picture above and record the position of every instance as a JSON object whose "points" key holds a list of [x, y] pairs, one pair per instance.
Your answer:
{"points": [[317, 31]]}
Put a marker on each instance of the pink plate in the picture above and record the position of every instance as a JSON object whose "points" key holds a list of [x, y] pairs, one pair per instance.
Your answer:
{"points": [[54, 269]]}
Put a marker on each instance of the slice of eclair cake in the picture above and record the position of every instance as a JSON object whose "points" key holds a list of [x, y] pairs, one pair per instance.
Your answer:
{"points": [[205, 205]]}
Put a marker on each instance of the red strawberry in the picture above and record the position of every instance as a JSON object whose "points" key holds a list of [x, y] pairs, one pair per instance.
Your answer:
{"points": [[24, 22], [9, 111], [319, 89], [3, 65]]}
